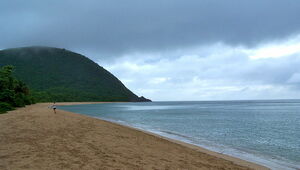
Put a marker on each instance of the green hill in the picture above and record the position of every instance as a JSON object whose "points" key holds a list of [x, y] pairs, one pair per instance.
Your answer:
{"points": [[54, 74]]}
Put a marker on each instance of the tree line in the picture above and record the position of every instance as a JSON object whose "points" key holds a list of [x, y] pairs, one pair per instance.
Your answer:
{"points": [[13, 92]]}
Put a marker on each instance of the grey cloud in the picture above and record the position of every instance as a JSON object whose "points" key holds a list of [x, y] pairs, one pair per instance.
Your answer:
{"points": [[225, 74], [111, 27]]}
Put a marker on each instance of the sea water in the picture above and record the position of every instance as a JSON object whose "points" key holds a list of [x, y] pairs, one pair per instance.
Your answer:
{"points": [[265, 132]]}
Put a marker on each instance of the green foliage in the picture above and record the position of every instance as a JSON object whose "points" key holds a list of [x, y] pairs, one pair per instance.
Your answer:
{"points": [[13, 92], [60, 75], [4, 107]]}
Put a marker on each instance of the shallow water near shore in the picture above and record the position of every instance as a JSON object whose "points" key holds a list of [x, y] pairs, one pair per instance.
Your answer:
{"points": [[265, 132]]}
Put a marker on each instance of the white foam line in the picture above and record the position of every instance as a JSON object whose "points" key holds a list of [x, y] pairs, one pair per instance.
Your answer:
{"points": [[272, 164]]}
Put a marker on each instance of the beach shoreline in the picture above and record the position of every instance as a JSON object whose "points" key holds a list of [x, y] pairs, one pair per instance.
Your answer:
{"points": [[146, 149]]}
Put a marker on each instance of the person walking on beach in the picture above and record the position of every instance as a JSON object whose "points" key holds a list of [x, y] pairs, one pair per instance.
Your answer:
{"points": [[54, 108]]}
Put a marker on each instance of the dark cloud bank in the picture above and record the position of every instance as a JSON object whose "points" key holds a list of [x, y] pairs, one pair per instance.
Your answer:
{"points": [[112, 27]]}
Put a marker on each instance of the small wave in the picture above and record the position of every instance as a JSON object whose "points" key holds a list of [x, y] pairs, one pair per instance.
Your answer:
{"points": [[259, 159]]}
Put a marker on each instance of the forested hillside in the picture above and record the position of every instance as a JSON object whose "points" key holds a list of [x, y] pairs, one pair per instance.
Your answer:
{"points": [[13, 92], [54, 74]]}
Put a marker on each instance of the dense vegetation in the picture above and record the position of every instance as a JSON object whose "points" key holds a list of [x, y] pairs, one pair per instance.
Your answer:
{"points": [[54, 74], [13, 92]]}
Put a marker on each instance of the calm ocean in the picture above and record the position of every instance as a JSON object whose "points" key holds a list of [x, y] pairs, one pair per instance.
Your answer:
{"points": [[265, 132]]}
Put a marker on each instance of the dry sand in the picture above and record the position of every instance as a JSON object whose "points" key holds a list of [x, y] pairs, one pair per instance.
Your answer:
{"points": [[35, 138]]}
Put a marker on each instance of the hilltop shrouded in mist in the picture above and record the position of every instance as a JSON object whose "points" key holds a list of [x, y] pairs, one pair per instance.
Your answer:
{"points": [[60, 75]]}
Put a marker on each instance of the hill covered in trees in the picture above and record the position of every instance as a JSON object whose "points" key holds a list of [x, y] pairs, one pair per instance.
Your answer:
{"points": [[54, 74]]}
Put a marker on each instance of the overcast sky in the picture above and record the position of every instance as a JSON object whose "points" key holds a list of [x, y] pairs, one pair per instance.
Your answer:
{"points": [[172, 49]]}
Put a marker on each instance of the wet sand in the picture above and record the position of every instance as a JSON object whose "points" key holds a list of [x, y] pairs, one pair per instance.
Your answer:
{"points": [[35, 138]]}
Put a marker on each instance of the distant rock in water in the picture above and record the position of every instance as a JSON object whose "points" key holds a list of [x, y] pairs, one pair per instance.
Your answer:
{"points": [[55, 74], [143, 99]]}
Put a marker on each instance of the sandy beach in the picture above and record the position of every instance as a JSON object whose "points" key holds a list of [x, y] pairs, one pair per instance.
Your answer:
{"points": [[35, 138]]}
